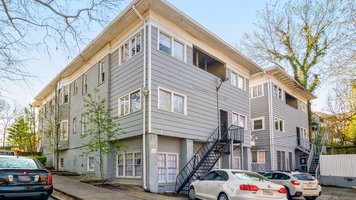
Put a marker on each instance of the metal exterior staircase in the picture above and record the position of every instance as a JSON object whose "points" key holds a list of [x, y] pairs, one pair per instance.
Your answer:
{"points": [[207, 156]]}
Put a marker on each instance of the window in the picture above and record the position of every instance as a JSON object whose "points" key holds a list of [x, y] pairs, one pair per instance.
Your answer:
{"points": [[165, 43], [129, 165], [237, 80], [171, 101], [167, 167], [64, 130], [239, 120], [125, 52], [241, 82], [90, 164], [171, 46], [302, 106], [278, 124], [259, 157], [83, 123], [85, 83], [281, 160], [233, 79], [135, 44], [61, 163], [130, 103], [178, 50], [65, 95], [257, 91], [258, 124], [74, 125], [75, 87], [277, 91], [101, 72], [304, 133]]}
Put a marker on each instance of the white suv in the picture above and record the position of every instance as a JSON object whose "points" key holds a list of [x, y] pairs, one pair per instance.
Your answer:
{"points": [[297, 184]]}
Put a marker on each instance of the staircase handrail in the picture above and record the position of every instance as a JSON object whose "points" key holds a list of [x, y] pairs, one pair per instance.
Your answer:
{"points": [[311, 155]]}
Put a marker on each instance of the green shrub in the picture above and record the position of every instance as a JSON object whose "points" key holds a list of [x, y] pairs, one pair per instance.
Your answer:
{"points": [[42, 159]]}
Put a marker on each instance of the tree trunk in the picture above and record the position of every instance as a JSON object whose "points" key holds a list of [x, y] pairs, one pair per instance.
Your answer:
{"points": [[310, 120]]}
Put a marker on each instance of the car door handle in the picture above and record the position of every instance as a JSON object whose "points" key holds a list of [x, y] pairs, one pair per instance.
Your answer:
{"points": [[220, 185]]}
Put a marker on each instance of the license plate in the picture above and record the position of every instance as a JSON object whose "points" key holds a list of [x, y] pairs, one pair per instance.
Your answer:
{"points": [[24, 178], [268, 192], [309, 185]]}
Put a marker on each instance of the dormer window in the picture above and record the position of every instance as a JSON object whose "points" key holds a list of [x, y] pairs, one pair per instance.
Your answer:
{"points": [[277, 91]]}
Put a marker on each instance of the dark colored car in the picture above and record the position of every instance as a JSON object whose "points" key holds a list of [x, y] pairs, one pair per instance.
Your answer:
{"points": [[24, 177]]}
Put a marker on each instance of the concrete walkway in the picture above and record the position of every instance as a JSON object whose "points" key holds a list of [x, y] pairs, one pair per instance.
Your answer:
{"points": [[83, 191]]}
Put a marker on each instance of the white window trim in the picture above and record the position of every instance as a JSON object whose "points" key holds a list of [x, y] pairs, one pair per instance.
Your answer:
{"points": [[274, 124], [166, 172], [85, 77], [129, 41], [61, 128], [172, 96], [75, 85], [237, 82], [304, 136], [172, 45], [101, 70], [82, 125], [129, 95], [75, 123], [275, 95], [262, 89], [124, 165], [258, 160], [63, 94], [89, 170], [60, 163], [238, 117], [253, 123]]}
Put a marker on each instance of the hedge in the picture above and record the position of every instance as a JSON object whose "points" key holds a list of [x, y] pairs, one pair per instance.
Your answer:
{"points": [[42, 159]]}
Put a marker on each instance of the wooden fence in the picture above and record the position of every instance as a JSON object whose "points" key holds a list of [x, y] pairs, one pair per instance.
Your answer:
{"points": [[338, 165]]}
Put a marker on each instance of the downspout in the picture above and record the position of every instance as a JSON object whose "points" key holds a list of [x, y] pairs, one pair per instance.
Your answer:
{"points": [[144, 101], [271, 135]]}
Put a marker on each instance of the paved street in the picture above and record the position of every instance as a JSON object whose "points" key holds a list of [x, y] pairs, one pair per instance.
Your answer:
{"points": [[333, 193]]}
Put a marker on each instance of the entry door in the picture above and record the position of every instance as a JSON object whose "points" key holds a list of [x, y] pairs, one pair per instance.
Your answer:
{"points": [[298, 136], [223, 122]]}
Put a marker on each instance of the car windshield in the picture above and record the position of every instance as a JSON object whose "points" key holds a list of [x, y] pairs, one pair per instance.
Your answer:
{"points": [[18, 163], [249, 176], [304, 177]]}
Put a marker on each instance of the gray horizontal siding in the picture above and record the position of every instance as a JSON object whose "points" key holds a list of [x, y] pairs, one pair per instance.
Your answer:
{"points": [[126, 78], [200, 88]]}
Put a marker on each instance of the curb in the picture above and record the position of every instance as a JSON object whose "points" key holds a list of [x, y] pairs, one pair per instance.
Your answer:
{"points": [[55, 197], [70, 195]]}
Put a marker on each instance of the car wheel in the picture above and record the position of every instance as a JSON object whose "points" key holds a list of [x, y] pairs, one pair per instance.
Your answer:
{"points": [[223, 196], [310, 198], [191, 193]]}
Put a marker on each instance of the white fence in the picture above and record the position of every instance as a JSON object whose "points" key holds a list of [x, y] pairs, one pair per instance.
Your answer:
{"points": [[338, 165]]}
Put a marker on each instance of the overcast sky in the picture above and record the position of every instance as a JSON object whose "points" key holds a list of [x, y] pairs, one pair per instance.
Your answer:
{"points": [[228, 19]]}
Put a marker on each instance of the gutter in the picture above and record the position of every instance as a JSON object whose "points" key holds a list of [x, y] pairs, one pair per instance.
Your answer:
{"points": [[271, 122], [144, 101]]}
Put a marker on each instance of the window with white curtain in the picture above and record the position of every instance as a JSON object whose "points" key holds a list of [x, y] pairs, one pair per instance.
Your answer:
{"points": [[130, 103], [167, 167], [129, 164], [239, 120]]}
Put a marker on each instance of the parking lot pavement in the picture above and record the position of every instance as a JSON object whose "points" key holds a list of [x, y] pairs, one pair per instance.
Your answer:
{"points": [[334, 193]]}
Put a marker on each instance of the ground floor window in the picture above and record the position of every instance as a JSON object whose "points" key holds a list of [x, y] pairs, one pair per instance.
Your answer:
{"points": [[167, 167], [90, 164], [61, 163], [258, 157], [281, 160], [129, 165]]}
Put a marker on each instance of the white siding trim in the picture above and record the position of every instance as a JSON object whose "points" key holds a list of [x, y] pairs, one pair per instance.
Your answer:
{"points": [[263, 124]]}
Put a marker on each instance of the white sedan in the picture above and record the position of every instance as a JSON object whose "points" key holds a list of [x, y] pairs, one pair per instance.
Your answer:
{"points": [[230, 184]]}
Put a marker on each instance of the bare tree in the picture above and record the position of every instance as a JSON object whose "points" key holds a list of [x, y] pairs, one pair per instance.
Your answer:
{"points": [[8, 113], [43, 23], [311, 39]]}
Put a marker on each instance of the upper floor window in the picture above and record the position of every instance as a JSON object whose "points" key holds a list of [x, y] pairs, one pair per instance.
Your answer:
{"points": [[85, 83], [83, 122], [278, 92], [171, 46], [304, 133], [258, 157], [278, 124], [257, 91], [130, 103], [75, 87], [302, 106], [65, 95], [238, 80], [101, 72], [75, 124], [131, 47], [171, 101], [258, 124], [239, 120], [64, 130]]}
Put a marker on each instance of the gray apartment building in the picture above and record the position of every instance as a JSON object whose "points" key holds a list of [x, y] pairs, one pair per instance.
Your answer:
{"points": [[279, 122], [159, 71]]}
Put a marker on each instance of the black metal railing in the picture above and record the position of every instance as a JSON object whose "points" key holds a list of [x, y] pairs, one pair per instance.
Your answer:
{"points": [[208, 154]]}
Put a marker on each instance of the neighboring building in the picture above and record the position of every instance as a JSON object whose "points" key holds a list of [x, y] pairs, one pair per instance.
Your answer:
{"points": [[279, 121], [159, 71]]}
